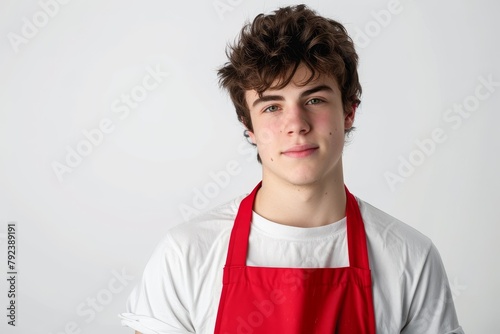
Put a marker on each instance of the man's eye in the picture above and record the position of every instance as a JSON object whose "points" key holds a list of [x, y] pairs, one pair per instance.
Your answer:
{"points": [[271, 109], [314, 101]]}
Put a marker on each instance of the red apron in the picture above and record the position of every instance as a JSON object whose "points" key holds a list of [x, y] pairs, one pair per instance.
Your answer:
{"points": [[296, 300]]}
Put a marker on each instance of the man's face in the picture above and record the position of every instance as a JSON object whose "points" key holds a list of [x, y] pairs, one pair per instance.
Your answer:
{"points": [[299, 130]]}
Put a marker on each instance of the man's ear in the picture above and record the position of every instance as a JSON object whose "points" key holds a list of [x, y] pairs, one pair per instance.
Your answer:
{"points": [[250, 137], [349, 116]]}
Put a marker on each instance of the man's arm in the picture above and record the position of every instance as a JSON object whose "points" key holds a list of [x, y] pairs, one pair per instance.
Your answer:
{"points": [[148, 308], [432, 309]]}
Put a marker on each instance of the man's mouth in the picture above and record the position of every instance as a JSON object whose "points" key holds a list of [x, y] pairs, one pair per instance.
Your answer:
{"points": [[300, 151]]}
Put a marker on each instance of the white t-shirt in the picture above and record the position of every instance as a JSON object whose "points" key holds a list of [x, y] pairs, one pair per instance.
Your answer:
{"points": [[180, 289]]}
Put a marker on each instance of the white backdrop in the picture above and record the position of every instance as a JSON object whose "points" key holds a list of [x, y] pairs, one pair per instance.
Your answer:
{"points": [[113, 130]]}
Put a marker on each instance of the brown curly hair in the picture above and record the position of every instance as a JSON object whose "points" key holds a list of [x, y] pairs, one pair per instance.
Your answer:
{"points": [[273, 46]]}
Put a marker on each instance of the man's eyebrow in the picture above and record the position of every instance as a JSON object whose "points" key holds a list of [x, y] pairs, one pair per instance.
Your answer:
{"points": [[267, 98], [316, 89]]}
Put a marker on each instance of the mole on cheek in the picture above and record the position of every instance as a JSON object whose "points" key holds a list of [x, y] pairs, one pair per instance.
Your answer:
{"points": [[330, 133], [272, 159]]}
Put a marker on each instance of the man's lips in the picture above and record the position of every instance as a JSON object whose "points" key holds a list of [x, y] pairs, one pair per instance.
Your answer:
{"points": [[300, 151]]}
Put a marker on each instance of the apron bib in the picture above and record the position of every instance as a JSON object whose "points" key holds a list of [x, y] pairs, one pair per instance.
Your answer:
{"points": [[296, 300]]}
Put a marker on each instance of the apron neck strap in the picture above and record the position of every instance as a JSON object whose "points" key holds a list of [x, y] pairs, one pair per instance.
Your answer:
{"points": [[356, 237], [238, 242]]}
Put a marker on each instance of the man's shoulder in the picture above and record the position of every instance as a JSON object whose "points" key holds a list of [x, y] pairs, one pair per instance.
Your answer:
{"points": [[207, 227], [390, 233]]}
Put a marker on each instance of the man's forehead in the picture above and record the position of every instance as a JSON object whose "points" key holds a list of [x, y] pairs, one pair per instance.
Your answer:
{"points": [[303, 76], [299, 83]]}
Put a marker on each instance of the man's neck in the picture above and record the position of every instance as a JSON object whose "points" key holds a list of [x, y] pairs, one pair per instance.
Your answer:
{"points": [[311, 205]]}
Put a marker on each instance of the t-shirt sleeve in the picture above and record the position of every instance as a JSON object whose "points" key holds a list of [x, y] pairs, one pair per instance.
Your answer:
{"points": [[431, 307], [158, 303]]}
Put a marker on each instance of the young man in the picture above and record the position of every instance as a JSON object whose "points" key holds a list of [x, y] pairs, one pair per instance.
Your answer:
{"points": [[300, 254]]}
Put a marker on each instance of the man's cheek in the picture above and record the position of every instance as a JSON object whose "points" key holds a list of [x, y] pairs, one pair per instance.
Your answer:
{"points": [[264, 137]]}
